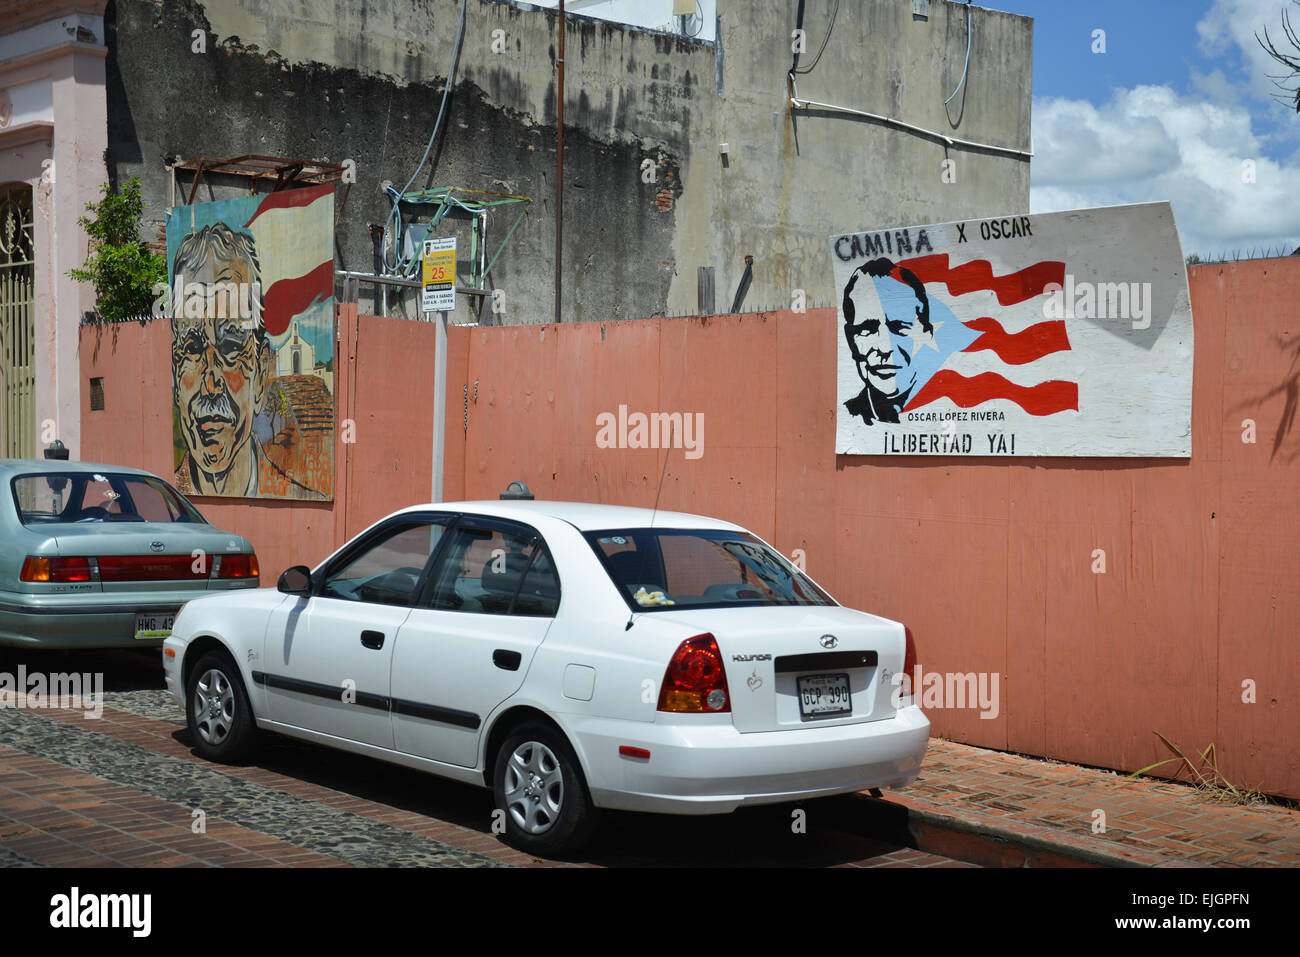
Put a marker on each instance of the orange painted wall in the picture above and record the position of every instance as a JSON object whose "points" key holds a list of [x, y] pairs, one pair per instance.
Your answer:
{"points": [[385, 386], [988, 562]]}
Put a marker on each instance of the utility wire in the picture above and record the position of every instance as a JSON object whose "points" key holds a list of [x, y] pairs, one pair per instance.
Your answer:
{"points": [[396, 196], [967, 66], [829, 27], [799, 103], [694, 16], [798, 25]]}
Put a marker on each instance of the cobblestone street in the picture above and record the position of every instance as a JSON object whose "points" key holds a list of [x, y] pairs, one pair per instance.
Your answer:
{"points": [[123, 789]]}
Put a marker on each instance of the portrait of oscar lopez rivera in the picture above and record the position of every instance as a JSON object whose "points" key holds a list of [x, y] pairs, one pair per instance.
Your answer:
{"points": [[221, 368], [886, 323]]}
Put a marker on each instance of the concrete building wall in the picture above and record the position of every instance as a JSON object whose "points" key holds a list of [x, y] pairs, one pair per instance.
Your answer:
{"points": [[52, 58], [794, 178], [344, 79], [1190, 632], [649, 14]]}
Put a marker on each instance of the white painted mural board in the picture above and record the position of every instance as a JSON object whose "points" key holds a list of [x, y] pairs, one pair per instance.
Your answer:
{"points": [[1055, 334]]}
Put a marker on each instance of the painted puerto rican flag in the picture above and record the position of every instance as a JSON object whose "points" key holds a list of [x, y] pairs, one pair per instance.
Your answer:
{"points": [[1049, 334], [1009, 352], [294, 232]]}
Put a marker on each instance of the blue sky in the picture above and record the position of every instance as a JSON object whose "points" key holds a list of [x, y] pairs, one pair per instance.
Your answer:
{"points": [[1176, 108]]}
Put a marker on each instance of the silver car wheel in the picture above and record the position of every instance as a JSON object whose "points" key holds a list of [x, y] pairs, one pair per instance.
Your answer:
{"points": [[214, 707], [534, 787]]}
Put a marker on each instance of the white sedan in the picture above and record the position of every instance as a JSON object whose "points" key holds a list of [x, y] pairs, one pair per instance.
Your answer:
{"points": [[571, 657]]}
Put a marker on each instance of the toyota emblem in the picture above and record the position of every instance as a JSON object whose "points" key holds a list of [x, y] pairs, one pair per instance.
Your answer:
{"points": [[829, 641], [156, 546]]}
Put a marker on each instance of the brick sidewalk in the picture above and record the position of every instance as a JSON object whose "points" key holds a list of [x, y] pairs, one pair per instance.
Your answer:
{"points": [[160, 738], [1050, 804], [56, 816]]}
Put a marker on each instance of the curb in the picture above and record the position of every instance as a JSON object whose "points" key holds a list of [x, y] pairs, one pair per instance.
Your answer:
{"points": [[997, 842]]}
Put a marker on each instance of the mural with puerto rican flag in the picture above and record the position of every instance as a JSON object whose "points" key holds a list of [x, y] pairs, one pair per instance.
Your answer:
{"points": [[251, 285], [1052, 334]]}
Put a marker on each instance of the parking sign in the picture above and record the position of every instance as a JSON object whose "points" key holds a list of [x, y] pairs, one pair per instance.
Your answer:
{"points": [[438, 275]]}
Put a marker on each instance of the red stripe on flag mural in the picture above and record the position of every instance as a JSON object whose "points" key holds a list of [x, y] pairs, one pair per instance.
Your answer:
{"points": [[288, 297], [289, 199], [1042, 399], [1017, 348], [978, 274]]}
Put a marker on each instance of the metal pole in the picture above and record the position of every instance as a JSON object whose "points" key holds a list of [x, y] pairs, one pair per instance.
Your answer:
{"points": [[439, 403], [559, 170]]}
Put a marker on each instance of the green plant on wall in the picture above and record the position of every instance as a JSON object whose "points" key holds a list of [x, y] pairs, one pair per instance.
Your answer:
{"points": [[119, 266]]}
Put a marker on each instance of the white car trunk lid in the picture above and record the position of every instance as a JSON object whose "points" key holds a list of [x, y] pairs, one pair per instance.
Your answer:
{"points": [[774, 657]]}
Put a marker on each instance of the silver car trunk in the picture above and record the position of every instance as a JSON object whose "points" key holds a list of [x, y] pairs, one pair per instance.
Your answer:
{"points": [[179, 547]]}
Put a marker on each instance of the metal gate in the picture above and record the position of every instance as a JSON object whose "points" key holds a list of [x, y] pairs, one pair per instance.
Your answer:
{"points": [[17, 333]]}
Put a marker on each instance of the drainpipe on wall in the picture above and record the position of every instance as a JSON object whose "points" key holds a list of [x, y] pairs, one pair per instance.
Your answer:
{"points": [[439, 403], [559, 169]]}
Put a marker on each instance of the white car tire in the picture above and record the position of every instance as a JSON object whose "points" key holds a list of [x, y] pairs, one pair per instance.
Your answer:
{"points": [[538, 783], [219, 716]]}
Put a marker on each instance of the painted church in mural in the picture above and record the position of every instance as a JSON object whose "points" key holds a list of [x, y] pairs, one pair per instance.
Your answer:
{"points": [[252, 283]]}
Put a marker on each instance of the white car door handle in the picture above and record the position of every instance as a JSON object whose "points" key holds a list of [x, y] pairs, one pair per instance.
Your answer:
{"points": [[507, 660]]}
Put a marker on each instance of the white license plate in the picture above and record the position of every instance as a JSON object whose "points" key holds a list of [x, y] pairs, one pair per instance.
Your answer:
{"points": [[156, 624], [823, 696]]}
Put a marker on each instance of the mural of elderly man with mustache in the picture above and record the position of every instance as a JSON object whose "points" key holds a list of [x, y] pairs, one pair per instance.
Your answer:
{"points": [[221, 367]]}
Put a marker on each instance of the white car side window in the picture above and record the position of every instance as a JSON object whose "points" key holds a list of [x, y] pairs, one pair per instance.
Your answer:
{"points": [[493, 572], [388, 572]]}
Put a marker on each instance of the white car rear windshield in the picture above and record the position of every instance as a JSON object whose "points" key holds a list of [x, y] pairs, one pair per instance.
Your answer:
{"points": [[661, 569]]}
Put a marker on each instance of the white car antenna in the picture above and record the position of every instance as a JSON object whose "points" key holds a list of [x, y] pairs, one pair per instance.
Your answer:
{"points": [[662, 474]]}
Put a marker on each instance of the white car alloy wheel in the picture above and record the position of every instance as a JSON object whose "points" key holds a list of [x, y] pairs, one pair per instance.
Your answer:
{"points": [[539, 785], [214, 707], [534, 787], [221, 721]]}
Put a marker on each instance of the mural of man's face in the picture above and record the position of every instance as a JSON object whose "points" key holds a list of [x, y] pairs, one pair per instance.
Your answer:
{"points": [[886, 333], [220, 371]]}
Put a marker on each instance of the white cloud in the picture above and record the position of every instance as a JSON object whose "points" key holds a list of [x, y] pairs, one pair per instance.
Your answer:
{"points": [[1151, 143], [1230, 24], [1075, 142]]}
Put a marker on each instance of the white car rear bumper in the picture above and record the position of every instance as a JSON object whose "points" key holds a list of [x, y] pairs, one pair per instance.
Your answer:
{"points": [[714, 769]]}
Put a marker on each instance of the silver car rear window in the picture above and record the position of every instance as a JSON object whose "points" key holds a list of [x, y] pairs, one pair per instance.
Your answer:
{"points": [[84, 497]]}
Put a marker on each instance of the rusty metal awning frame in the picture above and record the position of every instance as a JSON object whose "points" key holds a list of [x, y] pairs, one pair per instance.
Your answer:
{"points": [[286, 172]]}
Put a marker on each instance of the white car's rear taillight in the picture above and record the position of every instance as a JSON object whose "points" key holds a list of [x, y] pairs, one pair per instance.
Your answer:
{"points": [[695, 681]]}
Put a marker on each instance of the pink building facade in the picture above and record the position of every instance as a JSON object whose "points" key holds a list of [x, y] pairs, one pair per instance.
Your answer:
{"points": [[53, 133]]}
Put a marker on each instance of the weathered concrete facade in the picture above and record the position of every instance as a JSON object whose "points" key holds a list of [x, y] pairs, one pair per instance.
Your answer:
{"points": [[342, 79]]}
